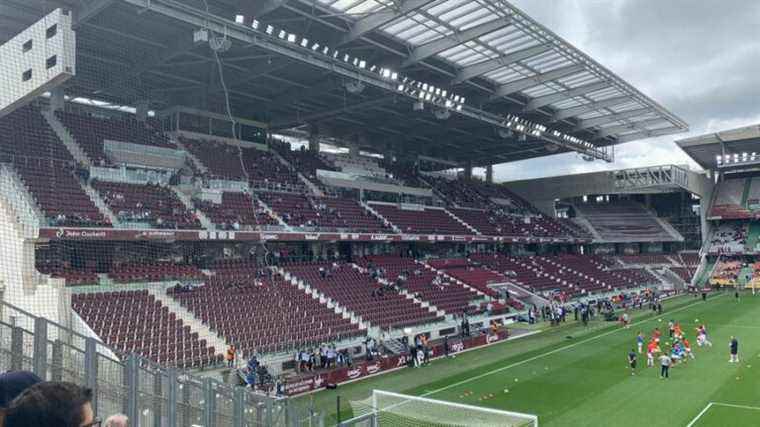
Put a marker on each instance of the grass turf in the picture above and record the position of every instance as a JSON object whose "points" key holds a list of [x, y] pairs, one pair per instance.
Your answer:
{"points": [[585, 381]]}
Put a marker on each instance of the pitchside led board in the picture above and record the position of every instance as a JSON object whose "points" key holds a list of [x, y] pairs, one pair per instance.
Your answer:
{"points": [[36, 60]]}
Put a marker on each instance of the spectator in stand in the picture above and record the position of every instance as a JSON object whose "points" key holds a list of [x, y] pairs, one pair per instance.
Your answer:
{"points": [[230, 356], [14, 383], [51, 404]]}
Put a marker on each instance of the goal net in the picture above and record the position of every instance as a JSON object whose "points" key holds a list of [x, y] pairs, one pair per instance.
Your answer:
{"points": [[385, 408]]}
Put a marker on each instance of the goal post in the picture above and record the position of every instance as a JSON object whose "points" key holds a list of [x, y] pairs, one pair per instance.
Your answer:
{"points": [[386, 408]]}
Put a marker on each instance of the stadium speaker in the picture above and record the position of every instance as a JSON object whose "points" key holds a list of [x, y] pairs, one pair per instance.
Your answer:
{"points": [[441, 113], [354, 87]]}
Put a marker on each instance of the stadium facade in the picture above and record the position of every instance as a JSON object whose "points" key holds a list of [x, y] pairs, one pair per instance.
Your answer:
{"points": [[179, 177]]}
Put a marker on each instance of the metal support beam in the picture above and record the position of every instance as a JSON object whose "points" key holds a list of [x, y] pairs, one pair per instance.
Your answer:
{"points": [[286, 124], [528, 82], [209, 406], [591, 106], [260, 8], [487, 66], [238, 407], [172, 396], [132, 387], [614, 130], [609, 118], [545, 100], [91, 369], [89, 10], [246, 35], [648, 134], [442, 44], [17, 349], [382, 17], [40, 354]]}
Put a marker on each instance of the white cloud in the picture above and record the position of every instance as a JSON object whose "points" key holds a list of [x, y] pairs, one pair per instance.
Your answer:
{"points": [[697, 59]]}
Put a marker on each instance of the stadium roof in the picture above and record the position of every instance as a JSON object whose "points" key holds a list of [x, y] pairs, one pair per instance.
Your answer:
{"points": [[735, 147], [515, 75]]}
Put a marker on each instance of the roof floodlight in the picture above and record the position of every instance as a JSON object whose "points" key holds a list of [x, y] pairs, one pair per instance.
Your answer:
{"points": [[315, 46], [394, 75], [282, 34], [459, 107], [362, 64], [346, 58], [239, 19], [400, 87], [386, 73], [422, 94], [291, 38], [425, 86], [373, 68], [356, 62], [304, 42], [270, 29], [448, 104], [463, 100], [255, 24], [326, 50], [335, 54], [443, 93], [456, 98]]}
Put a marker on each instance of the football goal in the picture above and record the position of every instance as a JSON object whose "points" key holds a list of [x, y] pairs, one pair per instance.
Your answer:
{"points": [[385, 408]]}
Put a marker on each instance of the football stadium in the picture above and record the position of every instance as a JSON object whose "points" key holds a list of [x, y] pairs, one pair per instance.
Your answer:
{"points": [[285, 213]]}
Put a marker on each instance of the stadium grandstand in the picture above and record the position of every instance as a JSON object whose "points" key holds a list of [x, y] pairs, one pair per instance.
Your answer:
{"points": [[210, 208]]}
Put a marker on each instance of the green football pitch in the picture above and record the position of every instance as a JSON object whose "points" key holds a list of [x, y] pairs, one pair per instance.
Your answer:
{"points": [[575, 376]]}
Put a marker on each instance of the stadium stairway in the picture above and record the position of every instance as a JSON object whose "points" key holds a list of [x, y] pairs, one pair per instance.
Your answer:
{"points": [[315, 190], [99, 203], [18, 198], [586, 224], [381, 218], [195, 160], [453, 279], [272, 214], [323, 299], [204, 220], [753, 237], [204, 332], [457, 219], [66, 138], [667, 227]]}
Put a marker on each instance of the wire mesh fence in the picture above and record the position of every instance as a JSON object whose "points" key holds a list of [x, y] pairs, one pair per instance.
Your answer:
{"points": [[147, 393]]}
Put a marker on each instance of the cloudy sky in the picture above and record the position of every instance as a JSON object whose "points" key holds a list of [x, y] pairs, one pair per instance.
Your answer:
{"points": [[698, 58]]}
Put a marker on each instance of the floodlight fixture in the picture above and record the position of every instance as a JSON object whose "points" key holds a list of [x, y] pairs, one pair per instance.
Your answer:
{"points": [[304, 42], [255, 24], [239, 19], [291, 38], [269, 30], [362, 64], [282, 34]]}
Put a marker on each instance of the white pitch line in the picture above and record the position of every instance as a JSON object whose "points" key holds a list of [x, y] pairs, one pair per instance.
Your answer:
{"points": [[711, 404], [734, 405], [548, 353], [699, 415]]}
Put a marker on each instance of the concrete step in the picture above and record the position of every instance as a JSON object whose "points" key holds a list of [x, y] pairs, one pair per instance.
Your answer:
{"points": [[189, 319], [100, 203], [185, 199], [459, 220], [65, 136]]}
